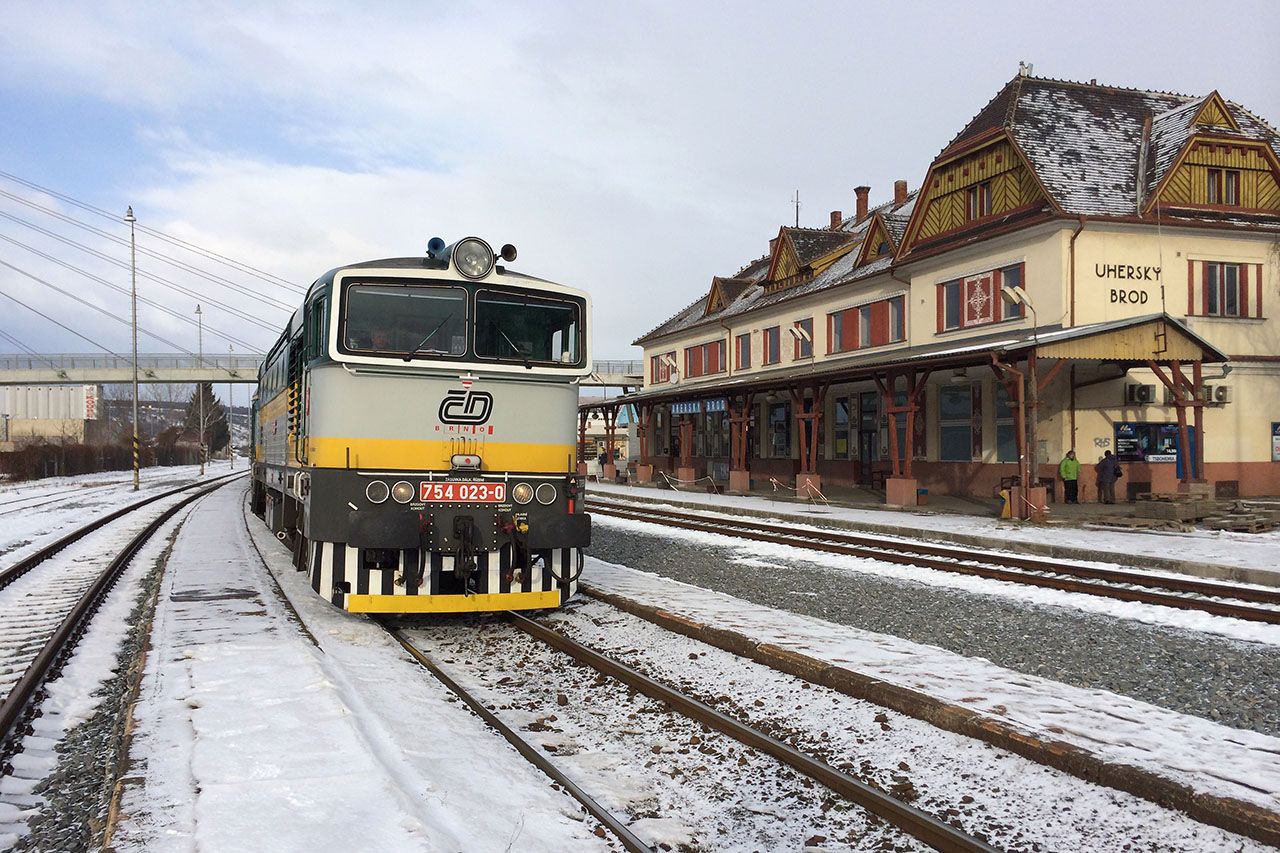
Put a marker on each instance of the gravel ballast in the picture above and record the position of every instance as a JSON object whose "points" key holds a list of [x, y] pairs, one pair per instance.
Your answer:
{"points": [[1225, 680]]}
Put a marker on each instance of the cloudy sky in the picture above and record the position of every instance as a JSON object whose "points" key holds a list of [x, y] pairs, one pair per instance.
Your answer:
{"points": [[632, 149]]}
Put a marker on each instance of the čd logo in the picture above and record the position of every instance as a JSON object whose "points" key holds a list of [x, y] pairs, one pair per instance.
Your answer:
{"points": [[466, 407]]}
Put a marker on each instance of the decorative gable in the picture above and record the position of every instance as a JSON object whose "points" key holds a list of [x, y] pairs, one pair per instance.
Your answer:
{"points": [[878, 243], [784, 262], [799, 254], [1214, 113], [974, 187], [1222, 173]]}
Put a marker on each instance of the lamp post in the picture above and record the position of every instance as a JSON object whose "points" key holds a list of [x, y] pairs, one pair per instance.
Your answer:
{"points": [[200, 385], [231, 408], [133, 302]]}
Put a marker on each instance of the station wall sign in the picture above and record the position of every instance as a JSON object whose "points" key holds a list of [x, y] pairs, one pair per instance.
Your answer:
{"points": [[697, 407], [1275, 441], [1125, 277]]}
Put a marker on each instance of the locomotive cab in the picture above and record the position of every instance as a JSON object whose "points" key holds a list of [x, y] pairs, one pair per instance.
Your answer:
{"points": [[419, 417]]}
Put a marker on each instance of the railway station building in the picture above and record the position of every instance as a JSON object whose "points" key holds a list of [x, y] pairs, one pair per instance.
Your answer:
{"points": [[1082, 267]]}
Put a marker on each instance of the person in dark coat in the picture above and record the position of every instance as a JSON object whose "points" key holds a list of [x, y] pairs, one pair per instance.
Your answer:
{"points": [[1108, 471]]}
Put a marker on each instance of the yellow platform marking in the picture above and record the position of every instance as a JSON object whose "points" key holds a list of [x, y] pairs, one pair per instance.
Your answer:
{"points": [[452, 603]]}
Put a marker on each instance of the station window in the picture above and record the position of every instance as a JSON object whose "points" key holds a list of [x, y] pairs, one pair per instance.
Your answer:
{"points": [[660, 367], [1222, 291], [975, 300], [1006, 433], [843, 414], [704, 359], [742, 352], [1223, 186], [780, 430], [804, 338], [955, 423], [772, 345], [978, 201]]}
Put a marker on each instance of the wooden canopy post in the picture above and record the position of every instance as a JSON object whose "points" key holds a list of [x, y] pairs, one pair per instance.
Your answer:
{"points": [[644, 434], [885, 385], [808, 423], [900, 489], [1184, 395], [686, 470], [739, 451], [1197, 378], [610, 471], [582, 442], [1028, 498], [916, 388]]}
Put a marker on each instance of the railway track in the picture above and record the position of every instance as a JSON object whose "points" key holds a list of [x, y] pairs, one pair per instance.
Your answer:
{"points": [[921, 825], [39, 631], [1257, 604]]}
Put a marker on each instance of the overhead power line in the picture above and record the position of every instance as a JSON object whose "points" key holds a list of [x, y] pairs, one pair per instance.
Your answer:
{"points": [[164, 282], [182, 265], [28, 350], [177, 315], [199, 360], [192, 247], [61, 325]]}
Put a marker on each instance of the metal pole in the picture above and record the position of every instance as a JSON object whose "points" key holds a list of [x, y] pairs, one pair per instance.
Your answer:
{"points": [[133, 301], [200, 385], [231, 411]]}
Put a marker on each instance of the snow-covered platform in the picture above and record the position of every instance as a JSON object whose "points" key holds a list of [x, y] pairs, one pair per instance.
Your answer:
{"points": [[1222, 555]]}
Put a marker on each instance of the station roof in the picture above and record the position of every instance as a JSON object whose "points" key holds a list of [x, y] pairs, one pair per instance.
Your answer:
{"points": [[1129, 342]]}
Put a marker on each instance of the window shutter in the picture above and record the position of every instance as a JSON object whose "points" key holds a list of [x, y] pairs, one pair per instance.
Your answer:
{"points": [[1191, 288], [1243, 284], [941, 298], [880, 323], [1257, 278]]}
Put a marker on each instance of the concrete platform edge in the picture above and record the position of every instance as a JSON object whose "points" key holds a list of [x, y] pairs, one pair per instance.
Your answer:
{"points": [[1224, 812]]}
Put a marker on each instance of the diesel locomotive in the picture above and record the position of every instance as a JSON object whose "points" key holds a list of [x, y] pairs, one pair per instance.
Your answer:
{"points": [[414, 434]]}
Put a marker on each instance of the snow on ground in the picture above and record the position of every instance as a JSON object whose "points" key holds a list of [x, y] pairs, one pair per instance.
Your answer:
{"points": [[1211, 758], [251, 738], [71, 696], [1249, 550], [34, 513]]}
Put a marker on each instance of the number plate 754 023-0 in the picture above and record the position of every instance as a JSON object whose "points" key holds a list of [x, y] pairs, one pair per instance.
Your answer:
{"points": [[463, 492]]}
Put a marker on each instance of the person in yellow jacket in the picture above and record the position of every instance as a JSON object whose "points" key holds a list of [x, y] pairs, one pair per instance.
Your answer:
{"points": [[1069, 471]]}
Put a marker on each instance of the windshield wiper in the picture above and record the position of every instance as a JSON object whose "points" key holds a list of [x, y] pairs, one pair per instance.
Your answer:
{"points": [[518, 351], [409, 355]]}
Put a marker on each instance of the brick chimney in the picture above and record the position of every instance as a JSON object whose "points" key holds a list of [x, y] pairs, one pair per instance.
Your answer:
{"points": [[862, 193], [899, 192], [836, 218]]}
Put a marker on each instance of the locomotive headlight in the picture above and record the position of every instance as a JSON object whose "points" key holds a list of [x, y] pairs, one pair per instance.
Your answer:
{"points": [[522, 493], [546, 494], [402, 492], [376, 492], [473, 258]]}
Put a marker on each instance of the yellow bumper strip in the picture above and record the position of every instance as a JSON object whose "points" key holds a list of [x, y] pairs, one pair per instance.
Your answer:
{"points": [[452, 603]]}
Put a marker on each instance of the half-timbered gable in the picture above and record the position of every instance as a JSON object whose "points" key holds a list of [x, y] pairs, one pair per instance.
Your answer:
{"points": [[1208, 159], [976, 186], [1214, 113], [799, 254]]}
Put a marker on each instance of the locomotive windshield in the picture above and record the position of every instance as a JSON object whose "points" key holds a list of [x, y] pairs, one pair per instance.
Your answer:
{"points": [[521, 328], [388, 319]]}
